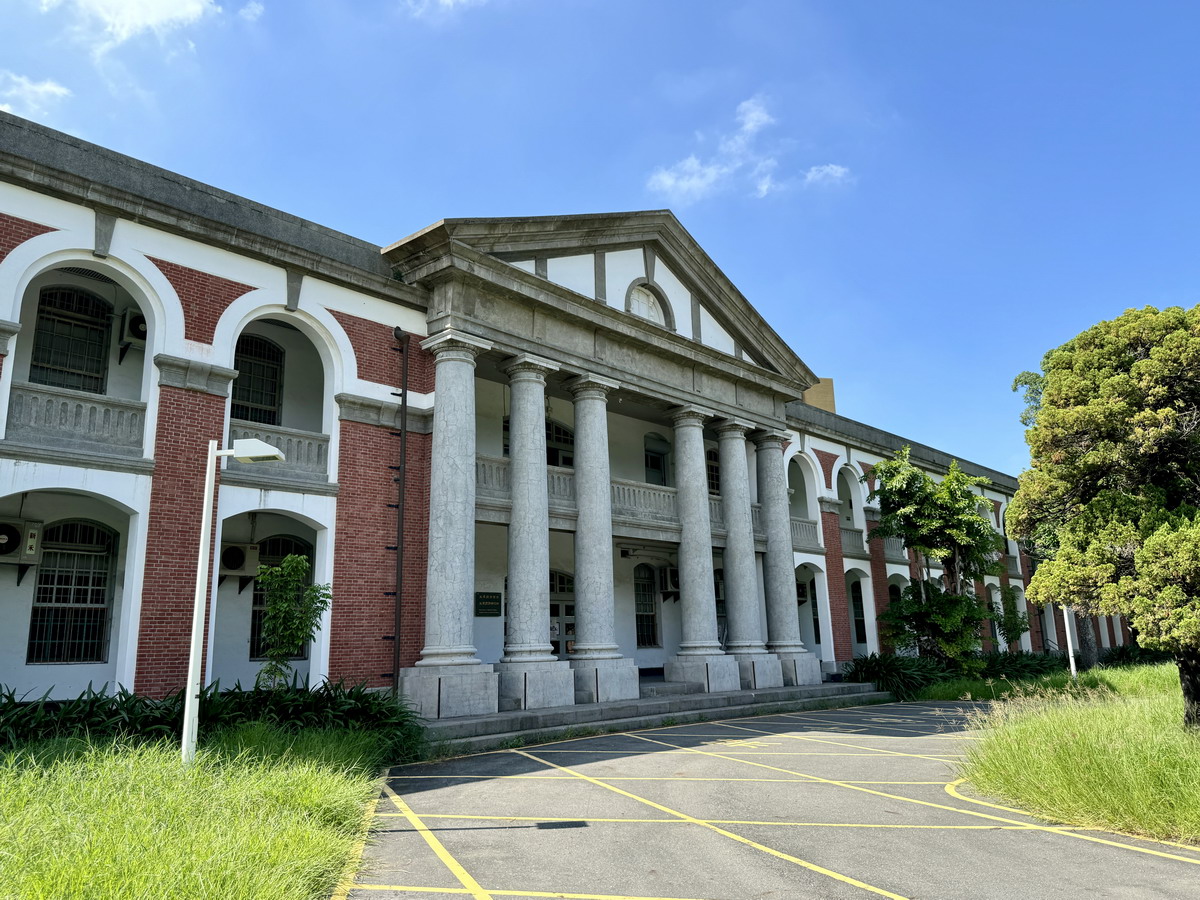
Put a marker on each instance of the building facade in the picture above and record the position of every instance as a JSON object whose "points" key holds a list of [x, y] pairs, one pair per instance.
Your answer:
{"points": [[603, 465]]}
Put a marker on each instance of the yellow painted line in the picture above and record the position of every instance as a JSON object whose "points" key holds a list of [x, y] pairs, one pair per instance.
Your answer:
{"points": [[800, 737], [539, 818], [463, 876], [799, 779], [346, 884], [812, 867], [743, 752], [533, 777], [889, 727], [965, 812], [952, 790], [769, 822], [550, 894]]}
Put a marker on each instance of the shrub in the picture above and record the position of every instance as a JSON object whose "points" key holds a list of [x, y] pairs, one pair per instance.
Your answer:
{"points": [[1023, 664], [1133, 655], [902, 676]]}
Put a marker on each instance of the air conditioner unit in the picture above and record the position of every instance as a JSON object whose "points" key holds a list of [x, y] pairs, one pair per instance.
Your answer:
{"points": [[20, 542], [133, 328], [668, 580], [239, 559]]}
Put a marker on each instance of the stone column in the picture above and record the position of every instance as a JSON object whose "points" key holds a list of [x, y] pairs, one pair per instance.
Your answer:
{"points": [[759, 669], [800, 666], [530, 675], [601, 673], [449, 680], [700, 658]]}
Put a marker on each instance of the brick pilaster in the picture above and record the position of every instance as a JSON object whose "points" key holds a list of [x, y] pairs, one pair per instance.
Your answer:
{"points": [[879, 575], [835, 580]]}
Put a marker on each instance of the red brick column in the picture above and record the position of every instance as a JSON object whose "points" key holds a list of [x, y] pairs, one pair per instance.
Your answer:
{"points": [[879, 575], [835, 579], [1126, 634], [1060, 629], [191, 412]]}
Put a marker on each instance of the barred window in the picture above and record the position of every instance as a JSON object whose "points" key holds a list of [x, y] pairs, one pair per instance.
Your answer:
{"points": [[645, 599], [73, 594], [71, 340], [271, 553], [858, 612], [258, 388], [712, 468]]}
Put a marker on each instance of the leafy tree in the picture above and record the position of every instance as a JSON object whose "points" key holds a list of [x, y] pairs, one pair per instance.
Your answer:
{"points": [[293, 609], [944, 521], [1111, 499]]}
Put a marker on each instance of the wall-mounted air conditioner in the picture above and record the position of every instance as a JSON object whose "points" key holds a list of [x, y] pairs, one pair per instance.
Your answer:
{"points": [[133, 328], [20, 542], [239, 559], [668, 582]]}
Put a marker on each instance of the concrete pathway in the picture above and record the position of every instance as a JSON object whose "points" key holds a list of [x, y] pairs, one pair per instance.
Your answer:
{"points": [[826, 804]]}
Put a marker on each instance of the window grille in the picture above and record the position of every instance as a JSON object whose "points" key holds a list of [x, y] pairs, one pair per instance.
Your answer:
{"points": [[643, 303], [271, 553], [858, 612], [71, 600], [258, 388], [645, 599], [712, 468], [71, 340]]}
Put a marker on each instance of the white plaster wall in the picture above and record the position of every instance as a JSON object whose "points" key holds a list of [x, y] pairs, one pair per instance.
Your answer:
{"points": [[678, 295], [491, 405], [527, 265], [578, 273], [303, 376], [621, 269], [713, 335], [491, 567]]}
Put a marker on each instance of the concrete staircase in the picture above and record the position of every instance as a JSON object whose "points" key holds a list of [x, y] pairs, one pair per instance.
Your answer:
{"points": [[661, 703]]}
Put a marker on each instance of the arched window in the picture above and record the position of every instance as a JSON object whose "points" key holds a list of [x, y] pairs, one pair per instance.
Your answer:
{"points": [[894, 593], [645, 599], [71, 340], [271, 553], [258, 388], [657, 450], [712, 469], [644, 304], [858, 613], [73, 595]]}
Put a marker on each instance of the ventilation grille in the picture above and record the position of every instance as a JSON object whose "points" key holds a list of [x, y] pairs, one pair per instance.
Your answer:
{"points": [[86, 273]]}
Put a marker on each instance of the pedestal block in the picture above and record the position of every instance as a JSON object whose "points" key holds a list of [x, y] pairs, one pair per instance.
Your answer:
{"points": [[759, 670], [602, 680], [717, 673], [535, 685], [800, 668], [442, 692]]}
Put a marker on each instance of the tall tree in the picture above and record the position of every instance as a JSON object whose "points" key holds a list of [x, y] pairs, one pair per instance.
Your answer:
{"points": [[1111, 499]]}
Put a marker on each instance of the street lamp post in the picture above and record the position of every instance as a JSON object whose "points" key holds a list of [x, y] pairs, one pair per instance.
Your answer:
{"points": [[249, 450]]}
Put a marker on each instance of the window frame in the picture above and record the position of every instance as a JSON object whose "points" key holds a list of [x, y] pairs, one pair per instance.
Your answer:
{"points": [[246, 383], [257, 602], [42, 367], [646, 623]]}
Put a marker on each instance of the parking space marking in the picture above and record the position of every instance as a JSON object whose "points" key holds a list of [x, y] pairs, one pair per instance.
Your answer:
{"points": [[800, 737], [771, 822], [346, 884], [966, 812], [812, 867], [557, 895], [464, 877]]}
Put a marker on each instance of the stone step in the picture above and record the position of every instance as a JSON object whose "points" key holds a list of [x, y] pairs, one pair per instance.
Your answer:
{"points": [[508, 739], [587, 715], [670, 688]]}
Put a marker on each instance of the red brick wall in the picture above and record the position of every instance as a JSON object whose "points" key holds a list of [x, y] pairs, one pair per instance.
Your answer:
{"points": [[364, 569], [827, 460], [985, 630], [374, 347], [204, 297], [835, 580], [187, 421], [14, 232], [879, 575]]}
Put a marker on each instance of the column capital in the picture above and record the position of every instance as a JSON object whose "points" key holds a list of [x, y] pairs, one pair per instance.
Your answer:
{"points": [[587, 385], [7, 330], [830, 504], [770, 439], [528, 366], [871, 513], [690, 415], [453, 344], [733, 428]]}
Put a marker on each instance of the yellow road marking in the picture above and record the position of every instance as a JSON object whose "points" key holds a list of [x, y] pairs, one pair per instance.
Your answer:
{"points": [[750, 752], [590, 819], [812, 867], [346, 884], [800, 737], [551, 894], [801, 779], [965, 812], [463, 876]]}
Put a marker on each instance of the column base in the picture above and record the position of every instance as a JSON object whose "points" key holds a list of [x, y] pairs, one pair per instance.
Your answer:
{"points": [[759, 670], [801, 667], [535, 685], [602, 680], [717, 672], [443, 692]]}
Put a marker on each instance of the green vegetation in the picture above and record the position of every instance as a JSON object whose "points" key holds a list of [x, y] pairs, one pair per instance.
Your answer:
{"points": [[1109, 754], [293, 607], [982, 675], [1111, 503], [262, 814]]}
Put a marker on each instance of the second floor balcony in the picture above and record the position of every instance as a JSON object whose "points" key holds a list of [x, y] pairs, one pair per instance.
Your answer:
{"points": [[60, 419]]}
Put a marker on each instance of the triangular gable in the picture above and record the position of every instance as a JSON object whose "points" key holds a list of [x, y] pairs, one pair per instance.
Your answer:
{"points": [[603, 256]]}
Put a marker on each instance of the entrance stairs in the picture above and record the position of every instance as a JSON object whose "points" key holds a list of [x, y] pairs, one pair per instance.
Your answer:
{"points": [[661, 704]]}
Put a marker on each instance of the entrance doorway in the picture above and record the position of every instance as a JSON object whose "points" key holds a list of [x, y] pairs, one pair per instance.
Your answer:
{"points": [[562, 613]]}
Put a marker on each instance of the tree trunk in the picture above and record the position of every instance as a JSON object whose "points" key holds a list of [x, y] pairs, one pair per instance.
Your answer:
{"points": [[1188, 661], [1087, 643]]}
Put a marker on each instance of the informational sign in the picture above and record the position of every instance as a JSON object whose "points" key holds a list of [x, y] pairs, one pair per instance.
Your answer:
{"points": [[487, 604]]}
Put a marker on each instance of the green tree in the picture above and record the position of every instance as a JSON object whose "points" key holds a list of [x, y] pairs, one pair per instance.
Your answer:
{"points": [[1011, 622], [943, 521], [292, 612], [1110, 502]]}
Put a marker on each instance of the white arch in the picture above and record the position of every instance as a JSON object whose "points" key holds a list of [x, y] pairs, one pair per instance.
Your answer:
{"points": [[808, 472]]}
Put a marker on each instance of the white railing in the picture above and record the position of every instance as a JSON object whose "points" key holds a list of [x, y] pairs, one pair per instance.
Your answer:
{"points": [[491, 477], [51, 416], [560, 483], [852, 541], [306, 453], [635, 500], [716, 512], [893, 548], [805, 533]]}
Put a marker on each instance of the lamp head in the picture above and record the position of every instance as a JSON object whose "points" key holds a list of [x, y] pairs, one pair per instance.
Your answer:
{"points": [[252, 450]]}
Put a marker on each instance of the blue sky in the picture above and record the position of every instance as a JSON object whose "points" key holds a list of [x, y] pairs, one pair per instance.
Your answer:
{"points": [[921, 197]]}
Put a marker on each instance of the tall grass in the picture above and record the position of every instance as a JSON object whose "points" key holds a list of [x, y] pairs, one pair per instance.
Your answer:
{"points": [[1113, 755], [1131, 681], [262, 814]]}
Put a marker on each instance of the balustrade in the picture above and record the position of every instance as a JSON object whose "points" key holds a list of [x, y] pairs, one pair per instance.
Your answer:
{"points": [[806, 534], [306, 454], [44, 416], [852, 542]]}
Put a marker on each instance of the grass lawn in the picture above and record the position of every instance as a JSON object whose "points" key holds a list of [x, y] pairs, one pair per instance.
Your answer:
{"points": [[262, 813], [1110, 755]]}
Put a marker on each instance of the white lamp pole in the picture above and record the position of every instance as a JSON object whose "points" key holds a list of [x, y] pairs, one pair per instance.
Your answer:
{"points": [[245, 450], [1068, 622]]}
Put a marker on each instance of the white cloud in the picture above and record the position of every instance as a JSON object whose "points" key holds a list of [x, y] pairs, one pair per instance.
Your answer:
{"points": [[428, 9], [31, 99], [104, 24], [252, 11], [827, 175], [688, 180]]}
